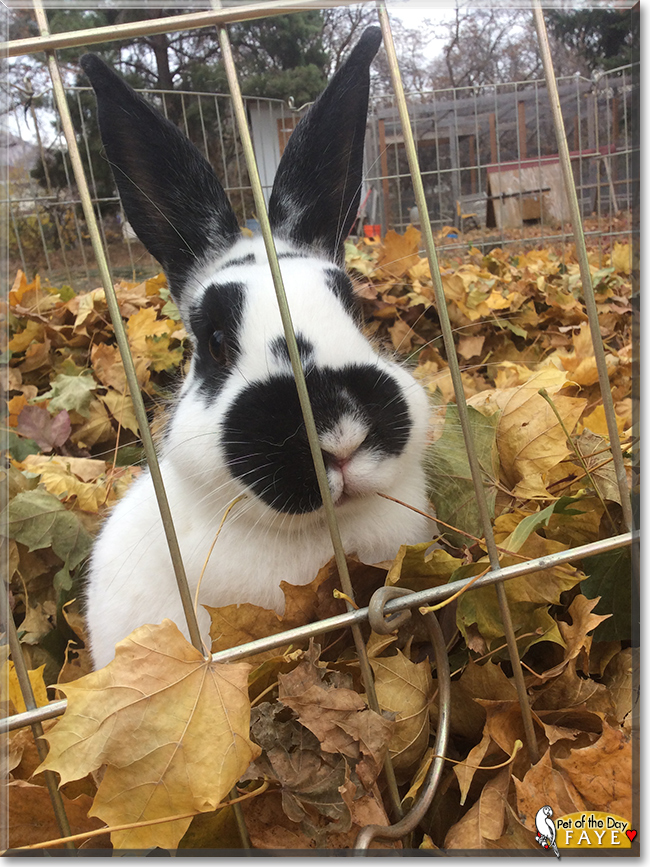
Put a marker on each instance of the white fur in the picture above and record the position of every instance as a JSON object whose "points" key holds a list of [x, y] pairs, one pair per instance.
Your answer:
{"points": [[131, 580]]}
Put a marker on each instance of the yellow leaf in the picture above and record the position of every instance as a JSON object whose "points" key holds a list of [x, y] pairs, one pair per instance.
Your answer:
{"points": [[83, 305], [97, 429], [530, 439], [15, 407], [9, 680], [60, 478], [32, 331], [155, 284], [144, 324], [121, 408], [531, 487], [420, 271], [405, 688], [597, 423], [622, 258], [171, 726], [498, 301]]}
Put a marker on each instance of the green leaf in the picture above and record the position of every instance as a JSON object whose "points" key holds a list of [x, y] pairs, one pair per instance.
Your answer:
{"points": [[450, 479], [71, 393], [66, 292], [610, 577], [20, 447], [62, 580], [129, 455], [540, 519], [38, 520], [169, 309], [516, 329]]}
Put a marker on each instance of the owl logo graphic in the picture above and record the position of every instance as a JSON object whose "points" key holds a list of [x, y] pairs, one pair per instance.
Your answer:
{"points": [[546, 829]]}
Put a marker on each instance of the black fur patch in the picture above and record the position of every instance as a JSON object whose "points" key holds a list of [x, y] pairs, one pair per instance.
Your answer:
{"points": [[341, 285], [220, 309], [280, 349], [248, 259], [266, 444]]}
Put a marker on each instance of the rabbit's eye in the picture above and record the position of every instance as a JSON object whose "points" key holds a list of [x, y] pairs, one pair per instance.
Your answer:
{"points": [[217, 347]]}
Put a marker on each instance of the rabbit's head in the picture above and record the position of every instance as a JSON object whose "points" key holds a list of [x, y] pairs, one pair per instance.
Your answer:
{"points": [[237, 423]]}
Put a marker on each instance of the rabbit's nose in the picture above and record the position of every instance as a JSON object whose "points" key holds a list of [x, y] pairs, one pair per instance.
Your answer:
{"points": [[337, 461]]}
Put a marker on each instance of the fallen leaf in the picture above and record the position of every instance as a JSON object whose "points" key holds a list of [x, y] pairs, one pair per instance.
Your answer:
{"points": [[602, 772], [543, 784], [31, 817], [405, 688], [71, 393], [158, 763], [39, 520], [37, 423]]}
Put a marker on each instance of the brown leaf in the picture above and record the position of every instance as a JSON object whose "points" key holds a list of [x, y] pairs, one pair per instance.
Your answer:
{"points": [[575, 634], [339, 718], [270, 828], [489, 823], [470, 347], [569, 690], [237, 624], [31, 817], [602, 772], [619, 681], [400, 252], [109, 369], [543, 784], [476, 681]]}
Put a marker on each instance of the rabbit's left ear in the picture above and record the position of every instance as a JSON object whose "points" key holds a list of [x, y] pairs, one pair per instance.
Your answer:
{"points": [[317, 188]]}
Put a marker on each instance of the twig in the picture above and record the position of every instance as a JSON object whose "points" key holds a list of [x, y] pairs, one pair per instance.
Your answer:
{"points": [[109, 829]]}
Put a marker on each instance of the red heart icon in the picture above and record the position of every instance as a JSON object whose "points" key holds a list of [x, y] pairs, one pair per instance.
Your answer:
{"points": [[631, 834]]}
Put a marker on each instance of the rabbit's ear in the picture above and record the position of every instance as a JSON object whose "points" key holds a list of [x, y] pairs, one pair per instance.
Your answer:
{"points": [[170, 193], [317, 188]]}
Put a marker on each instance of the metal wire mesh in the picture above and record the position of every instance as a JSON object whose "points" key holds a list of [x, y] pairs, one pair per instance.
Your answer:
{"points": [[603, 173], [474, 141]]}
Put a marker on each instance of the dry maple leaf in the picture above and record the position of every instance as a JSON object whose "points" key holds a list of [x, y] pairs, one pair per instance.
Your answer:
{"points": [[602, 772], [171, 726]]}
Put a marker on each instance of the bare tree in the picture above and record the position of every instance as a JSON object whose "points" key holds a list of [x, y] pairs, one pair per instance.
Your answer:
{"points": [[492, 45]]}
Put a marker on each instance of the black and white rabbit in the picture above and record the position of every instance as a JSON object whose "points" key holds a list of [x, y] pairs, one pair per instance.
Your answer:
{"points": [[236, 425]]}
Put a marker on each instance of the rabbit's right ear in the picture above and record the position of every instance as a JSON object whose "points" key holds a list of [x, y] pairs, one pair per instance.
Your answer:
{"points": [[170, 193]]}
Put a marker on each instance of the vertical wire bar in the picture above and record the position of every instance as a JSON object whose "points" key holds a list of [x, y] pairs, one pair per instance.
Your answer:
{"points": [[310, 426], [48, 185], [14, 226], [37, 727], [91, 172], [454, 370], [585, 272], [120, 334]]}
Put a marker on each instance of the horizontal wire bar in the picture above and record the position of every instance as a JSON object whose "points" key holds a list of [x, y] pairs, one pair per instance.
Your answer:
{"points": [[147, 27], [360, 615]]}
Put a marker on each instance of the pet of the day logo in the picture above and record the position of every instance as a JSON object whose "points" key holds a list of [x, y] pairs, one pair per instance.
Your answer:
{"points": [[588, 830], [546, 831]]}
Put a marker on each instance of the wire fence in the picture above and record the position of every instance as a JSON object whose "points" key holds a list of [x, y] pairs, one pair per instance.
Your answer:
{"points": [[455, 153], [488, 158]]}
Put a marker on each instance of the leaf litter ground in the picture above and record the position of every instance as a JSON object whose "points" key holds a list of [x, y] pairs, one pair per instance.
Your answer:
{"points": [[294, 723]]}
